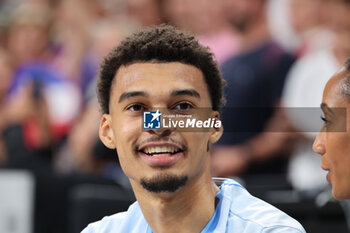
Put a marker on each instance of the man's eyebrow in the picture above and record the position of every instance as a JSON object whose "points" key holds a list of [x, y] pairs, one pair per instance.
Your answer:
{"points": [[130, 94], [190, 92], [325, 107]]}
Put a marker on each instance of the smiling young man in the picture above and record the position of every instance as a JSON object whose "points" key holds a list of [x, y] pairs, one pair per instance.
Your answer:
{"points": [[169, 168]]}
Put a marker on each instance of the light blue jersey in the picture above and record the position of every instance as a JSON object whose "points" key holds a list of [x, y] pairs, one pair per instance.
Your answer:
{"points": [[236, 212]]}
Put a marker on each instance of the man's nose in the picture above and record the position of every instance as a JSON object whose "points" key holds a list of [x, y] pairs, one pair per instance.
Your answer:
{"points": [[319, 144], [162, 132]]}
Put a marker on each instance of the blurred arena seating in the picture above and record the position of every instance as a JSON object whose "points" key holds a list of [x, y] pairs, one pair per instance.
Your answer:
{"points": [[92, 202], [16, 201], [316, 210]]}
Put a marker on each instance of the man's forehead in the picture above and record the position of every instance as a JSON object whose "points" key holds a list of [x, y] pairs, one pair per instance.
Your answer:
{"points": [[138, 74]]}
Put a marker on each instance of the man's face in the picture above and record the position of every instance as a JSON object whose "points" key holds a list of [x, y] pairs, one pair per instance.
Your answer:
{"points": [[157, 154]]}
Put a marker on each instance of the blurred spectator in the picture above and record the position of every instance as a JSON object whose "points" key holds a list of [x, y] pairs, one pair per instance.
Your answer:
{"points": [[61, 96], [211, 28], [83, 152], [52, 189], [61, 55], [299, 26], [5, 74], [73, 22], [38, 100], [24, 111], [82, 139], [79, 27], [116, 9], [145, 12], [314, 70], [279, 18], [255, 80], [107, 34], [104, 35], [29, 58], [308, 21], [52, 49], [28, 36]]}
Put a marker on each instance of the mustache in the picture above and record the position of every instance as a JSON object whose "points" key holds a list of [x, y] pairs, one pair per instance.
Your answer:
{"points": [[161, 139]]}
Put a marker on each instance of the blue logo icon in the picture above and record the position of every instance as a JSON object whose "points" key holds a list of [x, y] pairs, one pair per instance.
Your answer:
{"points": [[151, 120]]}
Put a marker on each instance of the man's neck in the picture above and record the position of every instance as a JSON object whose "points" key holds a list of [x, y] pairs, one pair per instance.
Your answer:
{"points": [[189, 209]]}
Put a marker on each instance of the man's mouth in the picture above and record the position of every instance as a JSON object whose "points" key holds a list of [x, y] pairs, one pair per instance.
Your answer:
{"points": [[161, 154], [161, 151]]}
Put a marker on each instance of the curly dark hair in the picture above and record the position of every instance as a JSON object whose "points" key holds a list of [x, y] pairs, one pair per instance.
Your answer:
{"points": [[160, 44]]}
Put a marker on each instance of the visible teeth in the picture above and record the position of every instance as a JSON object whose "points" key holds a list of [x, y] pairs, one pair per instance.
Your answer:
{"points": [[160, 149], [162, 154]]}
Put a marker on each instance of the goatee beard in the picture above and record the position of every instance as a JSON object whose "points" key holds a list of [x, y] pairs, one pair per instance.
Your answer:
{"points": [[164, 183]]}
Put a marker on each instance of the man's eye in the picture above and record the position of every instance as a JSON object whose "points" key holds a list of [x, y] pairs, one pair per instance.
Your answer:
{"points": [[136, 107], [183, 106]]}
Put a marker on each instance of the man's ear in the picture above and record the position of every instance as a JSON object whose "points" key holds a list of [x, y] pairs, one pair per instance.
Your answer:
{"points": [[218, 129], [105, 131]]}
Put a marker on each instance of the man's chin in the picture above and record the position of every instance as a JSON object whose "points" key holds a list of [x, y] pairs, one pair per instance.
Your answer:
{"points": [[163, 183]]}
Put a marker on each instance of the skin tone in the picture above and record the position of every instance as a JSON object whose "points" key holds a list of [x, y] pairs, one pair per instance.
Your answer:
{"points": [[333, 140], [163, 85]]}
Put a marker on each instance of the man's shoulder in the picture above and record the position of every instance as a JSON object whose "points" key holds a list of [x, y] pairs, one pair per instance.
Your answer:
{"points": [[249, 212], [117, 223]]}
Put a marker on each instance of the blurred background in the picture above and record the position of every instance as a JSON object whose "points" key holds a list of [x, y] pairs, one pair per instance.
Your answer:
{"points": [[276, 55]]}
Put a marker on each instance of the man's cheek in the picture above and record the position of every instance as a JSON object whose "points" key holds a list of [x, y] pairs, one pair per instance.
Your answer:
{"points": [[128, 128], [200, 138], [198, 142]]}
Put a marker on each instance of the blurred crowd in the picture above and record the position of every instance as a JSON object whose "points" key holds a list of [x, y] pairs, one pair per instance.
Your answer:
{"points": [[273, 54]]}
